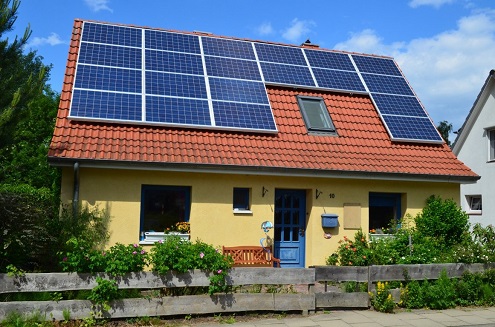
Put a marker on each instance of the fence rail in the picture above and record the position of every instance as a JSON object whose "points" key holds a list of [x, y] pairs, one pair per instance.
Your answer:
{"points": [[306, 301]]}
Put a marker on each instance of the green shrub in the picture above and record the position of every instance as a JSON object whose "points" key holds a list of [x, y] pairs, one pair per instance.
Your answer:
{"points": [[443, 220], [411, 295], [382, 299], [181, 256], [351, 253], [441, 294]]}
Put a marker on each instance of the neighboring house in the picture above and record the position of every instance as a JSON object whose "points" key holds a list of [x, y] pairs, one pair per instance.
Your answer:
{"points": [[161, 126], [475, 146]]}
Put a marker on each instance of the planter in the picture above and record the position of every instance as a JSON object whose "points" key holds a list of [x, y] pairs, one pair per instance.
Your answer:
{"points": [[152, 237], [378, 237]]}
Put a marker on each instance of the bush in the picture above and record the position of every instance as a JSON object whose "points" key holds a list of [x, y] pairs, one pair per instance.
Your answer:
{"points": [[181, 256], [26, 214], [351, 253], [381, 299], [443, 220]]}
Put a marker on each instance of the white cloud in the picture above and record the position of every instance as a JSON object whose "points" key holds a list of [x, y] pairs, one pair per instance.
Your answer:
{"points": [[297, 29], [434, 3], [52, 39], [265, 29], [97, 5], [447, 70]]}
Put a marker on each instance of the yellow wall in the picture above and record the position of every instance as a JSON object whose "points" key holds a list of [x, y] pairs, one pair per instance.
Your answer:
{"points": [[212, 218]]}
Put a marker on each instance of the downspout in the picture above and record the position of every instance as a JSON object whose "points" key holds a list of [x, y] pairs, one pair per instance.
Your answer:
{"points": [[75, 198]]}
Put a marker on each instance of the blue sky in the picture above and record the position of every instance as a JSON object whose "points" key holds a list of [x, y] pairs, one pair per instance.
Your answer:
{"points": [[445, 48]]}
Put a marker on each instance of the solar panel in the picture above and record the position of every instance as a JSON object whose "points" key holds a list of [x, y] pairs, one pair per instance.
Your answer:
{"points": [[280, 54], [188, 80], [238, 115], [337, 79], [412, 128], [106, 105], [109, 55], [177, 111], [232, 68], [238, 91], [287, 74], [110, 34], [174, 62], [387, 84], [172, 42], [399, 105], [376, 65], [331, 60], [186, 86], [109, 79], [228, 48]]}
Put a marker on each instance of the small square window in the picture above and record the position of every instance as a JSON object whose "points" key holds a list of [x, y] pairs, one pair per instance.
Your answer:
{"points": [[491, 138], [474, 202], [315, 114], [241, 199]]}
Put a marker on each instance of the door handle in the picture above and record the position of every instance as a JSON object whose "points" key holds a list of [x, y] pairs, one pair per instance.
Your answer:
{"points": [[301, 231]]}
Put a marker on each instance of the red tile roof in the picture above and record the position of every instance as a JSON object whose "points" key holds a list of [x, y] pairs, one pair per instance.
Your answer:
{"points": [[362, 147]]}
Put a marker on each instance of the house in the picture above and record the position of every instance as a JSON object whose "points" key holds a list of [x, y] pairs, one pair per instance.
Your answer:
{"points": [[164, 126], [475, 146]]}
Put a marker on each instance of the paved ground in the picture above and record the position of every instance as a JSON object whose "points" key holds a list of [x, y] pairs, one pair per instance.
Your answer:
{"points": [[369, 318]]}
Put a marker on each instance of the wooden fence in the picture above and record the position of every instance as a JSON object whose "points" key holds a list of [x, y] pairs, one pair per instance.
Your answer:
{"points": [[307, 299]]}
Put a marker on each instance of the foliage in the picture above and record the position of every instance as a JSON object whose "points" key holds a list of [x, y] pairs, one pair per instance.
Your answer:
{"points": [[444, 127], [181, 256], [351, 253], [443, 220], [381, 299], [117, 261], [16, 319], [103, 293], [26, 216], [440, 294]]}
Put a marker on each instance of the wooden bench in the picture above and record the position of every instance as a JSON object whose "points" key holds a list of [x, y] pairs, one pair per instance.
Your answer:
{"points": [[251, 256]]}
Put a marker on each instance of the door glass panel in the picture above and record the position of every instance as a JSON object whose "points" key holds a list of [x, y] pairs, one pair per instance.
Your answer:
{"points": [[295, 218], [278, 217], [295, 203], [278, 232], [278, 201], [287, 217], [287, 234], [295, 234], [288, 200]]}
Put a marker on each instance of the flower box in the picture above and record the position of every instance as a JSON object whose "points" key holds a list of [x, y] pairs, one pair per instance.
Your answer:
{"points": [[152, 237], [378, 237]]}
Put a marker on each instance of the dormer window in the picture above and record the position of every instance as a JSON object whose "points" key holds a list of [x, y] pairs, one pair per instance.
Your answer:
{"points": [[315, 115]]}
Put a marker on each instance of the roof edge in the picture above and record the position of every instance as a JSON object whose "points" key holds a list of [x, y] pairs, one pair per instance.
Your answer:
{"points": [[472, 115], [256, 170]]}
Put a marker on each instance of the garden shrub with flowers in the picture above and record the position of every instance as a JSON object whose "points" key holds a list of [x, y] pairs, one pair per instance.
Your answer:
{"points": [[173, 254], [179, 255]]}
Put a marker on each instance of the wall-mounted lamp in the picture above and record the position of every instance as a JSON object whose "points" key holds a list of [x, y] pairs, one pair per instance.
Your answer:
{"points": [[263, 192], [318, 193]]}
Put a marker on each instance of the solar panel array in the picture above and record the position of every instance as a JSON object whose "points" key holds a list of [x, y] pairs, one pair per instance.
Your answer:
{"points": [[129, 74]]}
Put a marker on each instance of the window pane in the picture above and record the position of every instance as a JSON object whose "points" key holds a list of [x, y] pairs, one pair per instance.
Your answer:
{"points": [[492, 144], [475, 202], [164, 206], [241, 198], [315, 114]]}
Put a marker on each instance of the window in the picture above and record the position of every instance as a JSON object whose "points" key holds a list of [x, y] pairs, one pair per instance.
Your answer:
{"points": [[384, 212], [474, 202], [164, 206], [315, 114], [241, 199], [491, 138]]}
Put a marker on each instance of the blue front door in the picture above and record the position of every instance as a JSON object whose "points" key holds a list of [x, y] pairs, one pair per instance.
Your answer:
{"points": [[290, 227]]}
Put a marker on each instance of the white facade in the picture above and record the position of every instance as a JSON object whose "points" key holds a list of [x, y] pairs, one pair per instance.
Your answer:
{"points": [[472, 146]]}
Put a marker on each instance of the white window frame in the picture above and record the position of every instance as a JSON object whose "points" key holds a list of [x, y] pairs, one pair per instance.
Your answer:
{"points": [[491, 144], [474, 203]]}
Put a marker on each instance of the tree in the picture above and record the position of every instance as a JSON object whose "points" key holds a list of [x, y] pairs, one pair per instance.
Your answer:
{"points": [[445, 128], [22, 76]]}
